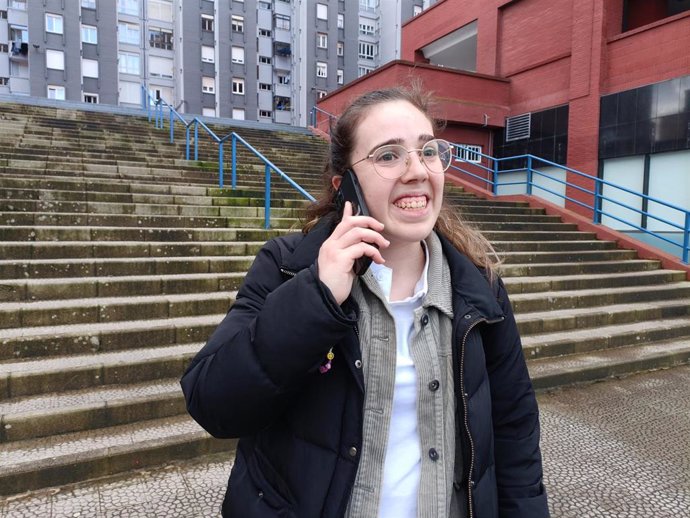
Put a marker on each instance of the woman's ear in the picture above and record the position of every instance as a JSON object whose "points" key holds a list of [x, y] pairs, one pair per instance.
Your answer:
{"points": [[335, 181]]}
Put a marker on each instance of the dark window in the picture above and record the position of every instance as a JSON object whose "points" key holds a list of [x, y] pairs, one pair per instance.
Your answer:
{"points": [[160, 38]]}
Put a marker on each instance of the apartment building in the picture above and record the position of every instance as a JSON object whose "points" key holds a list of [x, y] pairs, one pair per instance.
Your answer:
{"points": [[262, 60]]}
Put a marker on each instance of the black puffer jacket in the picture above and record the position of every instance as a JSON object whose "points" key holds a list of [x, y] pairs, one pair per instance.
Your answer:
{"points": [[257, 378]]}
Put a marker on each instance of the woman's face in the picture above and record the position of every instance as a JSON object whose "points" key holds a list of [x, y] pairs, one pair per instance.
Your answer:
{"points": [[407, 206]]}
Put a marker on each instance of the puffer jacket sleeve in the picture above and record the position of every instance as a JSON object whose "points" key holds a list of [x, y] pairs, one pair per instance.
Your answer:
{"points": [[275, 335], [515, 415]]}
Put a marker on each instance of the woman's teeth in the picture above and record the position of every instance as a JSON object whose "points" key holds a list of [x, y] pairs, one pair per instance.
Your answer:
{"points": [[411, 203]]}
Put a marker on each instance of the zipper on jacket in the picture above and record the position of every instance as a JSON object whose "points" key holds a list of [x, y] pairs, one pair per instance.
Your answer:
{"points": [[288, 272], [464, 405]]}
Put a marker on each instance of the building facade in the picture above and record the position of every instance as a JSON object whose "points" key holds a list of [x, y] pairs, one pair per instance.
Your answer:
{"points": [[600, 86], [264, 60]]}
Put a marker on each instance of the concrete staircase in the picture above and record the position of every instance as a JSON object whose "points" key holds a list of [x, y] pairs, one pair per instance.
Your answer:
{"points": [[118, 259]]}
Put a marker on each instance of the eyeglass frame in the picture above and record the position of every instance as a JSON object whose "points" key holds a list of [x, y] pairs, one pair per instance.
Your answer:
{"points": [[370, 156]]}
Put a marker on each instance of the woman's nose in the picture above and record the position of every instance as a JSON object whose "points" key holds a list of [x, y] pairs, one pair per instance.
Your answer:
{"points": [[415, 165]]}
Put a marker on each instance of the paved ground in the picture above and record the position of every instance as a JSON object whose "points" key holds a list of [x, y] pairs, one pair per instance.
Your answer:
{"points": [[617, 449]]}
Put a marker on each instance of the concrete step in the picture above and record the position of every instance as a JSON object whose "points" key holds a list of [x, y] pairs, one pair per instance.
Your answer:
{"points": [[112, 309], [524, 270], [68, 458], [18, 250], [555, 300], [56, 413], [29, 290], [19, 378], [85, 339], [104, 267], [550, 321], [580, 282], [598, 365], [100, 234], [541, 257], [549, 246]]}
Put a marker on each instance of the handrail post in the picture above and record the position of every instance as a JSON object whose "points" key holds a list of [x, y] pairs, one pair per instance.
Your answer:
{"points": [[267, 198], [196, 139], [188, 129], [596, 217], [494, 180], [686, 239], [220, 164], [529, 175], [234, 161], [172, 127]]}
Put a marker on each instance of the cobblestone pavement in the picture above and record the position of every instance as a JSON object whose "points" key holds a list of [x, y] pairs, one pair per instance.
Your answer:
{"points": [[616, 449]]}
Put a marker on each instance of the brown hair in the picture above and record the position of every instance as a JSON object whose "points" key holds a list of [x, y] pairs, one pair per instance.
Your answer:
{"points": [[464, 237]]}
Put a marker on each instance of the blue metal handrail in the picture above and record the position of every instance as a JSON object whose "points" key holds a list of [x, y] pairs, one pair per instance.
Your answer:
{"points": [[492, 181], [159, 104]]}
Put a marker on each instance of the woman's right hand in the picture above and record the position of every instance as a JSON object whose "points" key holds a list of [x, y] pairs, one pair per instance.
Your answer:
{"points": [[353, 237]]}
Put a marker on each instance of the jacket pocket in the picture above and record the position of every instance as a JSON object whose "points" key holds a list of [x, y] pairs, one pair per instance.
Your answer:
{"points": [[250, 494]]}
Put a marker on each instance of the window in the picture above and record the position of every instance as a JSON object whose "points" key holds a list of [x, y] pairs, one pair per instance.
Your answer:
{"points": [[362, 71], [281, 21], [265, 114], [4, 47], [19, 69], [55, 59], [368, 5], [89, 34], [88, 4], [340, 75], [321, 69], [206, 23], [238, 23], [90, 98], [130, 92], [160, 10], [128, 7], [416, 9], [321, 12], [266, 87], [89, 68], [320, 94], [238, 55], [468, 153], [160, 67], [283, 79], [265, 32], [56, 92], [4, 81], [208, 112], [238, 86], [128, 33], [160, 38], [3, 16], [322, 40], [128, 63], [208, 54], [340, 48], [367, 29], [367, 50], [265, 5], [19, 4], [238, 113], [282, 103], [341, 21], [54, 23], [265, 60], [208, 85]]}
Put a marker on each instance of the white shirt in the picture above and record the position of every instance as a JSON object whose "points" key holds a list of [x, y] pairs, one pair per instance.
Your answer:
{"points": [[402, 468]]}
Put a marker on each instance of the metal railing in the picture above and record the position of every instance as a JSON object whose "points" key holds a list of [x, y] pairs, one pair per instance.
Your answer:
{"points": [[159, 105], [488, 170], [321, 119]]}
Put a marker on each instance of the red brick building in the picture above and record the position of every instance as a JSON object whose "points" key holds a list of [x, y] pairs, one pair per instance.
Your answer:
{"points": [[604, 85]]}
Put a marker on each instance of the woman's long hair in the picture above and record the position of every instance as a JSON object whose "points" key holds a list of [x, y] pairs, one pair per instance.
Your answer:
{"points": [[450, 224]]}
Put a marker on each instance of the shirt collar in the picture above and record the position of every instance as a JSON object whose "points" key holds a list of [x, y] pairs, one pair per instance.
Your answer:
{"points": [[384, 277]]}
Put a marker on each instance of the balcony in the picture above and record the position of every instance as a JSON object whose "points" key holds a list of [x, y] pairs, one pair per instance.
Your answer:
{"points": [[19, 51]]}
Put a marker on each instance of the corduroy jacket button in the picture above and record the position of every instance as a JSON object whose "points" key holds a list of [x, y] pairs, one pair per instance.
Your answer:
{"points": [[457, 486], [434, 385], [433, 454], [425, 319], [468, 316], [352, 451], [358, 364]]}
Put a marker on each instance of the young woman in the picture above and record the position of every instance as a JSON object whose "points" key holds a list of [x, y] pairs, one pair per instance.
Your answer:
{"points": [[402, 393]]}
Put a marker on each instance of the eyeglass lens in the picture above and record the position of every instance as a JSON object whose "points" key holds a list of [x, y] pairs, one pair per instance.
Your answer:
{"points": [[393, 160]]}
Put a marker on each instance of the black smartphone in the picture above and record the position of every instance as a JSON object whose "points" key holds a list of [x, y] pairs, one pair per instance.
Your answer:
{"points": [[350, 191]]}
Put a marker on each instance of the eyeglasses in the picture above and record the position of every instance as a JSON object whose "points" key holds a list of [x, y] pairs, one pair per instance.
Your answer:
{"points": [[393, 160]]}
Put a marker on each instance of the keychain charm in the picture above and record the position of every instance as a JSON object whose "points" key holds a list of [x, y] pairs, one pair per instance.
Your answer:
{"points": [[327, 366]]}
